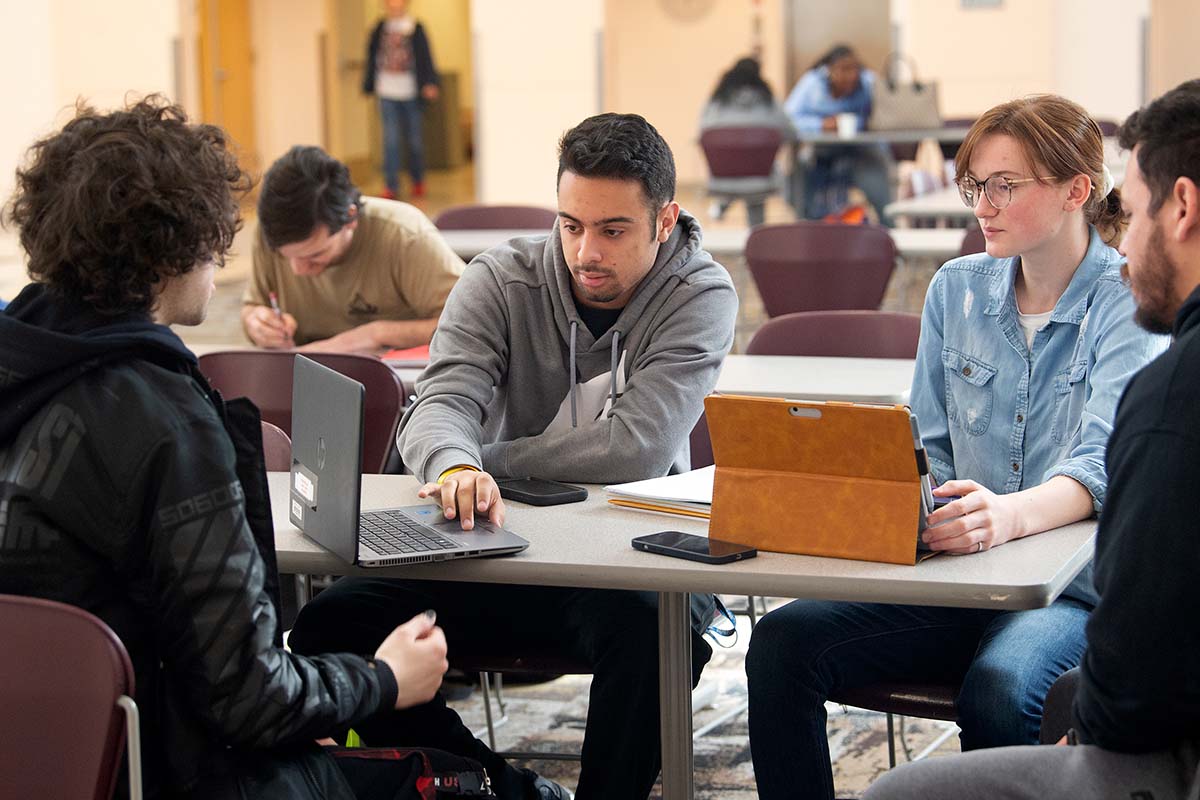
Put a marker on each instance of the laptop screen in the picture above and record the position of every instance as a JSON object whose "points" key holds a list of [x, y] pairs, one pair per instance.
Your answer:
{"points": [[327, 438]]}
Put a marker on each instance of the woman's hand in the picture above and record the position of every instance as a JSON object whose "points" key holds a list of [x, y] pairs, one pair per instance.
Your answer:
{"points": [[979, 520]]}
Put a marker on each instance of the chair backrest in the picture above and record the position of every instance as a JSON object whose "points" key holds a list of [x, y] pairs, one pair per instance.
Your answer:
{"points": [[265, 376], [740, 152], [62, 672], [1108, 127], [701, 444], [483, 217], [973, 241], [845, 334], [818, 266], [277, 448]]}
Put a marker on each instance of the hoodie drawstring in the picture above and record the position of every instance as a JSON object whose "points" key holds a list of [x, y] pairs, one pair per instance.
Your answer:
{"points": [[574, 384], [613, 389]]}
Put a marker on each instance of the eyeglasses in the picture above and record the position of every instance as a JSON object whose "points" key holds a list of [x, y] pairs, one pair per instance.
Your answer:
{"points": [[997, 189]]}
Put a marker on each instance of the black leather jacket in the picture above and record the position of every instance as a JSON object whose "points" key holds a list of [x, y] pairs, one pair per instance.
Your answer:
{"points": [[128, 488]]}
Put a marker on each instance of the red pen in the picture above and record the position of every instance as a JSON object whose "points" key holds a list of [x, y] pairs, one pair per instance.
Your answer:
{"points": [[275, 305]]}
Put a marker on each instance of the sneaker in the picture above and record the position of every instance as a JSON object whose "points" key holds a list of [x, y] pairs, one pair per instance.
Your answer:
{"points": [[418, 189], [388, 194], [549, 790]]}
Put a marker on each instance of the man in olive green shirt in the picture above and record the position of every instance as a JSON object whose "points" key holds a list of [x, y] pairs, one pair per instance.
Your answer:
{"points": [[335, 272]]}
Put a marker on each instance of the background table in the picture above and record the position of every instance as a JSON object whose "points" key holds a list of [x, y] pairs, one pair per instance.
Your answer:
{"points": [[910, 242], [862, 380], [587, 544]]}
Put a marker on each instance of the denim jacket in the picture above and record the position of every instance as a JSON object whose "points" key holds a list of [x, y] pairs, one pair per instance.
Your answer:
{"points": [[1009, 416]]}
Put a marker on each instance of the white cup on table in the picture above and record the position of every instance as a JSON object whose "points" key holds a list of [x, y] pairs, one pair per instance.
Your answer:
{"points": [[847, 125]]}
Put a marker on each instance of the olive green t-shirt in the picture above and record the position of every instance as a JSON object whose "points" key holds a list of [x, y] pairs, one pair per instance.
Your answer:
{"points": [[398, 267]]}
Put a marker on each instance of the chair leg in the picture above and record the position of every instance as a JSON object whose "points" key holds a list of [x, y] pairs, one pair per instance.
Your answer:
{"points": [[499, 676], [485, 682], [752, 610], [891, 742]]}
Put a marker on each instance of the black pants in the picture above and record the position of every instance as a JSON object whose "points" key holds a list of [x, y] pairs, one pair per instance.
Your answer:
{"points": [[615, 632]]}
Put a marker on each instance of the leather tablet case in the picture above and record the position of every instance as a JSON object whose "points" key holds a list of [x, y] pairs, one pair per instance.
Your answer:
{"points": [[823, 479]]}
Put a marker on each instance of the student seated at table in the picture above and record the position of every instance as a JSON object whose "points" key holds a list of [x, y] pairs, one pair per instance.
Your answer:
{"points": [[584, 355], [1137, 707], [336, 272], [1024, 353], [128, 487], [837, 84], [743, 99]]}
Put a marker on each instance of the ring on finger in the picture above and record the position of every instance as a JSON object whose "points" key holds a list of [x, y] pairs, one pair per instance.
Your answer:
{"points": [[979, 547]]}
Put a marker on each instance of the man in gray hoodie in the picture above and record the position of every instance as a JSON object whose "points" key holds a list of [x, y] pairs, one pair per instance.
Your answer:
{"points": [[583, 355]]}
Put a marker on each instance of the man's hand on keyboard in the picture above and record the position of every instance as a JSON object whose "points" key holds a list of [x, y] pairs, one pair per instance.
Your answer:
{"points": [[465, 494]]}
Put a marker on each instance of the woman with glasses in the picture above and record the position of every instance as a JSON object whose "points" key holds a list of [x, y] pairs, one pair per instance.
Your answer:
{"points": [[1024, 353]]}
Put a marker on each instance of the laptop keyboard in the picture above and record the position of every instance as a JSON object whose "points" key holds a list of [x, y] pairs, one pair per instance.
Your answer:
{"points": [[393, 533]]}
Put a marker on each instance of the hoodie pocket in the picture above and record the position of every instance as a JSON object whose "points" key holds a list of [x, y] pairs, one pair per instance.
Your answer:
{"points": [[1070, 395], [968, 391]]}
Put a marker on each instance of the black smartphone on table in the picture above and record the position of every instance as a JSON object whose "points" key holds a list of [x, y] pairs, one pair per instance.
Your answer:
{"points": [[693, 547], [540, 492]]}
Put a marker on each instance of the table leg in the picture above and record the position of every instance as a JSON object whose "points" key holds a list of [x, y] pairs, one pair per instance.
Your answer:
{"points": [[675, 693]]}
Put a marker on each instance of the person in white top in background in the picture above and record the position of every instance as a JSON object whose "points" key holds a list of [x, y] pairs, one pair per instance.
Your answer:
{"points": [[399, 70]]}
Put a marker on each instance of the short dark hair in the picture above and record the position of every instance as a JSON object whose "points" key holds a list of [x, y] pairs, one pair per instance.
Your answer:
{"points": [[623, 146], [114, 203], [1168, 131], [305, 188]]}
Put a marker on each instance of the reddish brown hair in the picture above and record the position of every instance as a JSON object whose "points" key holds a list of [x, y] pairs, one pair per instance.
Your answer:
{"points": [[1060, 140]]}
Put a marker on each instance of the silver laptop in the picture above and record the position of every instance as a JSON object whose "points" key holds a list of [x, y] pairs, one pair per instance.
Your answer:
{"points": [[326, 486]]}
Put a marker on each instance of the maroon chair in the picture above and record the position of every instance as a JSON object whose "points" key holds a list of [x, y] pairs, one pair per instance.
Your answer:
{"points": [[973, 241], [925, 700], [483, 217], [65, 680], [817, 266], [701, 444], [265, 376], [840, 334], [277, 448], [1108, 127], [740, 152], [741, 165]]}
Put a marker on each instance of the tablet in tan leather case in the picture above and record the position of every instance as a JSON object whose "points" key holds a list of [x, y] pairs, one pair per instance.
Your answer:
{"points": [[824, 479]]}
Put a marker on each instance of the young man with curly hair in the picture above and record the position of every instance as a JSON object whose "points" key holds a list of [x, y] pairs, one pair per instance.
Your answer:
{"points": [[129, 488]]}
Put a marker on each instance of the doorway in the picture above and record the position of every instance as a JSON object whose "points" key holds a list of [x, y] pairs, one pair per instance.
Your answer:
{"points": [[227, 74]]}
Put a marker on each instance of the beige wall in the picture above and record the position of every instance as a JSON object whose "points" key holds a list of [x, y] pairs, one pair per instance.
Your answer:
{"points": [[665, 68], [1174, 44], [287, 74], [531, 86], [942, 37], [1087, 50]]}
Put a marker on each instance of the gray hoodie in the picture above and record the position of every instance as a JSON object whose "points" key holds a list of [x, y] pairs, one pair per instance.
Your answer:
{"points": [[498, 394]]}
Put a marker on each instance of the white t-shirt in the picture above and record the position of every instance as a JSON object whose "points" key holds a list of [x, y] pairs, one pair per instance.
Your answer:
{"points": [[397, 75], [1031, 324]]}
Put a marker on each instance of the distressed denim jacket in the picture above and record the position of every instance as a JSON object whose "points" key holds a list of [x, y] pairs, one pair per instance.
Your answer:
{"points": [[1009, 416]]}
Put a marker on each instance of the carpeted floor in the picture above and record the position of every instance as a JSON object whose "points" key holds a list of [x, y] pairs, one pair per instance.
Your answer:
{"points": [[550, 716]]}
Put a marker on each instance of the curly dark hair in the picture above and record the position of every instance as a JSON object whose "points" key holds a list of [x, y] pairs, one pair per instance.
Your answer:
{"points": [[116, 202], [1168, 130], [623, 146], [305, 188]]}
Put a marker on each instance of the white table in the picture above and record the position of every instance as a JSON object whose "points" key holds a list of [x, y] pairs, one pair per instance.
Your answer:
{"points": [[944, 204], [587, 544], [863, 380], [910, 242], [940, 135]]}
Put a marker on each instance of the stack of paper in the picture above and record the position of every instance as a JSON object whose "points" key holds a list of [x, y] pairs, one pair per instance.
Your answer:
{"points": [[688, 493]]}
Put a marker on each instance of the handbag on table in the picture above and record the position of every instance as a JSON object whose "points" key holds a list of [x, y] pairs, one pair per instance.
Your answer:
{"points": [[897, 106]]}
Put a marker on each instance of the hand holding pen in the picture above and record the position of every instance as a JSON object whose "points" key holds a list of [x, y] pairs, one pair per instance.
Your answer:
{"points": [[270, 327]]}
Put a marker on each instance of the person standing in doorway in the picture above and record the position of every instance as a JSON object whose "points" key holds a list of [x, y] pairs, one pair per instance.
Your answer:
{"points": [[399, 70]]}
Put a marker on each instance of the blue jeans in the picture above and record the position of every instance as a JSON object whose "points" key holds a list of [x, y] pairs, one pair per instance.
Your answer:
{"points": [[825, 182], [402, 128], [801, 653]]}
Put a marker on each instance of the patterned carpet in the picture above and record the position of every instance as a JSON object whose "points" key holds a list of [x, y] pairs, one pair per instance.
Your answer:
{"points": [[550, 717]]}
